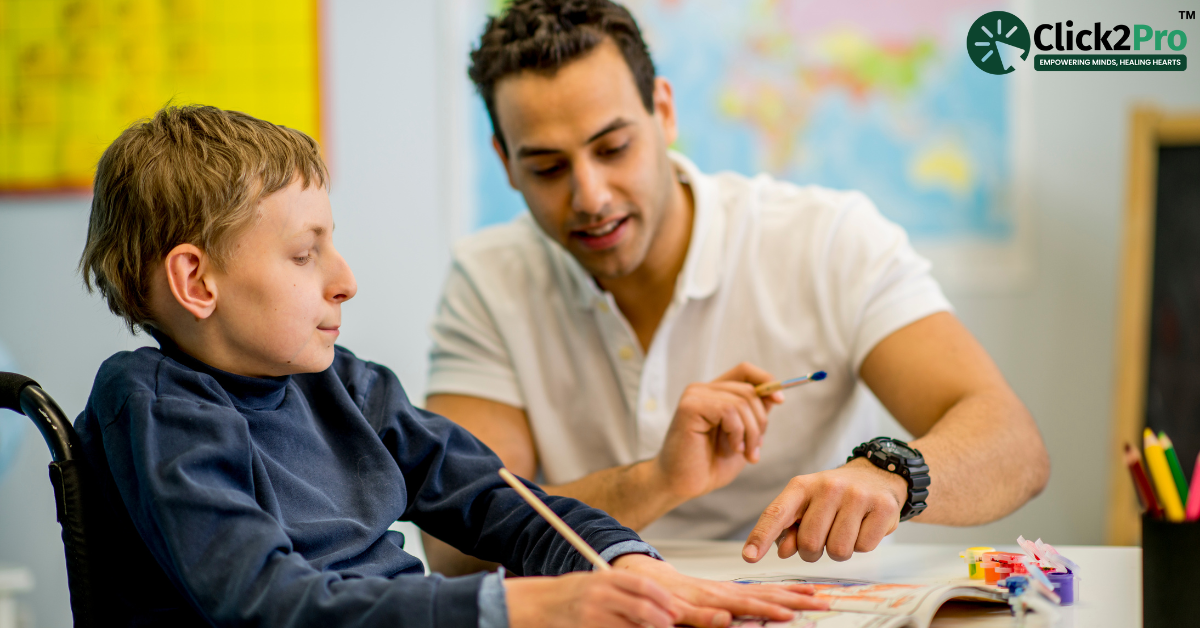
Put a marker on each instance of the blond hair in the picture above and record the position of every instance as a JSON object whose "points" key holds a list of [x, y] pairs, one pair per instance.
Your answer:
{"points": [[189, 175]]}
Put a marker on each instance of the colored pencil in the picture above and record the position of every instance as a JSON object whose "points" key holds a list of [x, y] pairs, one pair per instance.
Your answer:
{"points": [[762, 390], [1160, 472], [1193, 505], [1176, 469], [1141, 483], [555, 521]]}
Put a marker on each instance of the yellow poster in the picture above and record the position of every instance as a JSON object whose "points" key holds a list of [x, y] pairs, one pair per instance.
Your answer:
{"points": [[75, 73]]}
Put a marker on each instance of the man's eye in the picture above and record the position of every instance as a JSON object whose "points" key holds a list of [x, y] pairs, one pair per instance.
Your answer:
{"points": [[548, 171], [302, 260], [609, 152]]}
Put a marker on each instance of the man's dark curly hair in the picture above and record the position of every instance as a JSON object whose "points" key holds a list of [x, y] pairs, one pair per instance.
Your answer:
{"points": [[544, 35]]}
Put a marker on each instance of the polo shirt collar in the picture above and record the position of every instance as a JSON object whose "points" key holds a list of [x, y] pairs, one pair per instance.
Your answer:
{"points": [[701, 273]]}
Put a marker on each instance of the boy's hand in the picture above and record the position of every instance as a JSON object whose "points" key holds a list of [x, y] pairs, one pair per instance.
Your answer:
{"points": [[588, 600], [706, 603]]}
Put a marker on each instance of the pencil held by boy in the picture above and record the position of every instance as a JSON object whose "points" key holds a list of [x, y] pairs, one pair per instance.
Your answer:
{"points": [[250, 468]]}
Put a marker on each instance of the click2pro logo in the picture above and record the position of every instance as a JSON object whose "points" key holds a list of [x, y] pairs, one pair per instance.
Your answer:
{"points": [[996, 51], [999, 40]]}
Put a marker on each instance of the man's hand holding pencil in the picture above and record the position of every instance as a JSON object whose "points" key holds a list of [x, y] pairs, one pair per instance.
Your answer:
{"points": [[717, 430]]}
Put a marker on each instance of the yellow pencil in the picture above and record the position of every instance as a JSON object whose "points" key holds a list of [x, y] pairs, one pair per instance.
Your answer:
{"points": [[556, 522], [1160, 472]]}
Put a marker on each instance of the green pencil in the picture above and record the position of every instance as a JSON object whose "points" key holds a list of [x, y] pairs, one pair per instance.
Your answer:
{"points": [[1173, 462]]}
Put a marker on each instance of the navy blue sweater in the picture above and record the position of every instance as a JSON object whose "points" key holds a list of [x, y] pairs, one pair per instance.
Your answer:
{"points": [[236, 500]]}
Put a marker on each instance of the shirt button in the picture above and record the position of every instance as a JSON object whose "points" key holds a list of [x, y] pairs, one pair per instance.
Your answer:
{"points": [[651, 405], [626, 352]]}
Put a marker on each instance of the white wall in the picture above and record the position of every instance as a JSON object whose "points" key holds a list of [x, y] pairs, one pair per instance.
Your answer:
{"points": [[1053, 340]]}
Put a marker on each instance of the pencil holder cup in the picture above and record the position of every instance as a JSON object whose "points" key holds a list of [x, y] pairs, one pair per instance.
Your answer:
{"points": [[1170, 553]]}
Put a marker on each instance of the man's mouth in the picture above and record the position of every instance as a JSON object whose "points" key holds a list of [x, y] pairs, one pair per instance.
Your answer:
{"points": [[603, 235]]}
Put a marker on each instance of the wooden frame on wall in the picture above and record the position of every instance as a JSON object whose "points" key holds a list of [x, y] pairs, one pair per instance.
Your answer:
{"points": [[1150, 129]]}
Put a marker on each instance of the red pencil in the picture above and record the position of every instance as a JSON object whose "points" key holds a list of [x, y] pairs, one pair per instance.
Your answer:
{"points": [[1192, 512], [1133, 460]]}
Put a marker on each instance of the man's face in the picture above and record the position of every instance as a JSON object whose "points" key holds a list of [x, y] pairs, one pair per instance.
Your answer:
{"points": [[279, 299], [589, 159]]}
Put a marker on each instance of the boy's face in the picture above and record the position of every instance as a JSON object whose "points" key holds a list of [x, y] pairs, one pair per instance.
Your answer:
{"points": [[589, 159], [279, 300]]}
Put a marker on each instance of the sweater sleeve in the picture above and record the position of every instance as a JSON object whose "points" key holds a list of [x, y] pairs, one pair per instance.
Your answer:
{"points": [[184, 470], [456, 494]]}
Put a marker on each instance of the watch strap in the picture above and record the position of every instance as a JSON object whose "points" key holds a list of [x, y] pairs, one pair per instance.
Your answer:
{"points": [[914, 471]]}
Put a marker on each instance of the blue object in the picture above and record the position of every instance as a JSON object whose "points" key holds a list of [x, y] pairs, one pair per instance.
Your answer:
{"points": [[1016, 585], [268, 500], [12, 425]]}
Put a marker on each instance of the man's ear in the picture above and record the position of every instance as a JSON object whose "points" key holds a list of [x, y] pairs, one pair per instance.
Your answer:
{"points": [[496, 146], [190, 277], [664, 109]]}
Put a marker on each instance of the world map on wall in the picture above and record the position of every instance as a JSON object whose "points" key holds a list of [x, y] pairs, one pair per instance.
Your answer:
{"points": [[859, 94]]}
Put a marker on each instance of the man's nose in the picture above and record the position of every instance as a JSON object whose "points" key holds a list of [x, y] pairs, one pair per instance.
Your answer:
{"points": [[590, 194]]}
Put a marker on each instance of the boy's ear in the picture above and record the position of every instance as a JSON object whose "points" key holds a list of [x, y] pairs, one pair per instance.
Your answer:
{"points": [[190, 277]]}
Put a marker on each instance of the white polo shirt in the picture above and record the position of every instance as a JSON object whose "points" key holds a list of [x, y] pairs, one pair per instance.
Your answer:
{"points": [[792, 279]]}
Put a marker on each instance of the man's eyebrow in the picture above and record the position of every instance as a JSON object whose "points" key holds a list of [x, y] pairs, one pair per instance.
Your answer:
{"points": [[534, 151]]}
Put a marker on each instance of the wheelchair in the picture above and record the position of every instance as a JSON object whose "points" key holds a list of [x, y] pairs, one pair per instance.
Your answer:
{"points": [[75, 491]]}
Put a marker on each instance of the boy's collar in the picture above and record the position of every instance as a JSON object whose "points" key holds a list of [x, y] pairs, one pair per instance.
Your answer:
{"points": [[255, 393]]}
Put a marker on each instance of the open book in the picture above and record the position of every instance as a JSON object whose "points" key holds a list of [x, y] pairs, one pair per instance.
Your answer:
{"points": [[861, 604]]}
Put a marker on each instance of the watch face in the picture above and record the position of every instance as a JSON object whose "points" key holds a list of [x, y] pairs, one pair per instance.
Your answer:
{"points": [[899, 449]]}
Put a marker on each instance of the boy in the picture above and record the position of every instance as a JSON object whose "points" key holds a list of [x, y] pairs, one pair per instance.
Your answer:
{"points": [[251, 468]]}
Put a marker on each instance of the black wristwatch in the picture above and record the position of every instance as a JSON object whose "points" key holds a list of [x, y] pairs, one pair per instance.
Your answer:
{"points": [[897, 457]]}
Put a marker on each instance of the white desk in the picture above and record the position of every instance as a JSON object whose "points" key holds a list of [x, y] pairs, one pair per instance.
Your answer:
{"points": [[1110, 594]]}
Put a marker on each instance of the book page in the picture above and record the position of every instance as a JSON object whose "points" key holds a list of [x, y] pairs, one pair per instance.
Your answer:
{"points": [[881, 599], [859, 596], [858, 604], [828, 619]]}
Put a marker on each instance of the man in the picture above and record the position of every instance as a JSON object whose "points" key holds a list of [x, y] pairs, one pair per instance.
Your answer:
{"points": [[610, 341]]}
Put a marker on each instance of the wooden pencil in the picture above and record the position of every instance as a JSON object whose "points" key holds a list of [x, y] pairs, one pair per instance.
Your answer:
{"points": [[1192, 512], [1160, 472], [1141, 483], [555, 521], [1176, 468], [762, 390]]}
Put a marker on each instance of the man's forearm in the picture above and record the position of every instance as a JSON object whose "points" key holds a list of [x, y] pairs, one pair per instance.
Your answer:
{"points": [[986, 458], [636, 495]]}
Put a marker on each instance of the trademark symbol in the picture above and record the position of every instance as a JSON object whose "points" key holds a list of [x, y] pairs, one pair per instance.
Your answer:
{"points": [[1187, 15]]}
